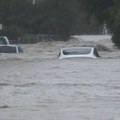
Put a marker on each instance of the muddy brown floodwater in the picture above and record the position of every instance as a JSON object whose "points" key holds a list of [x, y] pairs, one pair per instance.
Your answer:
{"points": [[36, 85]]}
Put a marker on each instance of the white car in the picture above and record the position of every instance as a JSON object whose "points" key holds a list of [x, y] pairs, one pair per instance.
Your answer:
{"points": [[10, 49], [85, 52]]}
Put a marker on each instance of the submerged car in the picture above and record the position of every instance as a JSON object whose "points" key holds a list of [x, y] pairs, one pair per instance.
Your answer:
{"points": [[84, 52], [10, 49]]}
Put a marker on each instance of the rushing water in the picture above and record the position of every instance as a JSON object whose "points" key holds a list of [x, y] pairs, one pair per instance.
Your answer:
{"points": [[38, 86]]}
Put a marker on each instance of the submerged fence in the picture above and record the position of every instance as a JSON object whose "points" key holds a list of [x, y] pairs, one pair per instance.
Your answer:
{"points": [[31, 39]]}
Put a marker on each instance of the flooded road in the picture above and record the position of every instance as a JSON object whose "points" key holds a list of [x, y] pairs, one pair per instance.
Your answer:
{"points": [[38, 86]]}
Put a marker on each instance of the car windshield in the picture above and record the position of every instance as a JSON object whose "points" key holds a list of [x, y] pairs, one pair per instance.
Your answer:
{"points": [[8, 49], [75, 51]]}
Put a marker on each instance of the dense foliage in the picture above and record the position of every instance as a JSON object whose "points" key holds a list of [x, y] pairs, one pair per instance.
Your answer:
{"points": [[15, 15], [61, 17]]}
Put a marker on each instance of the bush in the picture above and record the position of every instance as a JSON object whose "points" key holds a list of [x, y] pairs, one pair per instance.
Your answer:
{"points": [[116, 39]]}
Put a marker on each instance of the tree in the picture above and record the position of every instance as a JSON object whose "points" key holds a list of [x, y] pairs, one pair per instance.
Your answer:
{"points": [[98, 8], [57, 16], [61, 17], [115, 23], [14, 16]]}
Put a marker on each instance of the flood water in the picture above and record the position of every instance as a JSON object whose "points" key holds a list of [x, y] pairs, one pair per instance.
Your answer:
{"points": [[37, 86]]}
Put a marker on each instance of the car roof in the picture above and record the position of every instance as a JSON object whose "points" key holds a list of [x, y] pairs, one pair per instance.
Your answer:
{"points": [[74, 48], [77, 52], [8, 45], [77, 47], [18, 48]]}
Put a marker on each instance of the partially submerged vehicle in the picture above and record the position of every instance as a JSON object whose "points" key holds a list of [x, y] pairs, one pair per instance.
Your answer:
{"points": [[6, 47], [10, 49], [84, 52]]}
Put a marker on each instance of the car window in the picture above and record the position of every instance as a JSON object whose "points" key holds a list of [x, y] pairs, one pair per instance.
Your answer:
{"points": [[76, 51], [3, 41], [8, 49]]}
